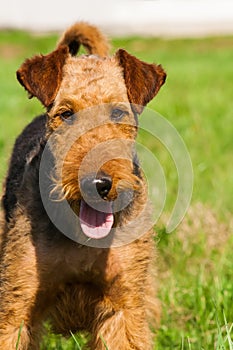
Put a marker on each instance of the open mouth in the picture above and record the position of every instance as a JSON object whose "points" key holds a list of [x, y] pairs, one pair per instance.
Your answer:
{"points": [[96, 223]]}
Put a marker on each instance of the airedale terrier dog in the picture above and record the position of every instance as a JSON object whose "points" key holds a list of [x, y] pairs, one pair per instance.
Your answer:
{"points": [[77, 243]]}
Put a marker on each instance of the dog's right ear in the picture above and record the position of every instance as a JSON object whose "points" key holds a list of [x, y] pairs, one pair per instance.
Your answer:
{"points": [[41, 75]]}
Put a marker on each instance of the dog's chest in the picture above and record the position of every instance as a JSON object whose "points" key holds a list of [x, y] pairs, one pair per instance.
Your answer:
{"points": [[92, 265]]}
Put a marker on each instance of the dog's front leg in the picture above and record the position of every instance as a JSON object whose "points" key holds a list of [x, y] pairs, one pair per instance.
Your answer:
{"points": [[121, 324], [18, 287], [125, 330]]}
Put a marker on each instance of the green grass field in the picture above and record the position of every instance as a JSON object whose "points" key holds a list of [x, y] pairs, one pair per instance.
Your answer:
{"points": [[195, 261]]}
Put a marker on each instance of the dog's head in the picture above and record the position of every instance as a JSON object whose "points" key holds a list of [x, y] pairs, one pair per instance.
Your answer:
{"points": [[42, 76], [92, 104]]}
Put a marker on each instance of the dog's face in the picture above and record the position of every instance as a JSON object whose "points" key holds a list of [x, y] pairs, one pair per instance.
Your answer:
{"points": [[92, 105]]}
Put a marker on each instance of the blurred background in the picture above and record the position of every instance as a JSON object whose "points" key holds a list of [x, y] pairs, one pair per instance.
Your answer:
{"points": [[145, 17]]}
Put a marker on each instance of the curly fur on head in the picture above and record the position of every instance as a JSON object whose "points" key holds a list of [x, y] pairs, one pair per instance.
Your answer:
{"points": [[90, 37]]}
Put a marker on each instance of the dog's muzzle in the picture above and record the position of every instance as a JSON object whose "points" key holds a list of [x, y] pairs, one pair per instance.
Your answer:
{"points": [[96, 213]]}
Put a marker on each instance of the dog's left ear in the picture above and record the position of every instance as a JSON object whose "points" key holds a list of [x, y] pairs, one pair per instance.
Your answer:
{"points": [[41, 75], [142, 80]]}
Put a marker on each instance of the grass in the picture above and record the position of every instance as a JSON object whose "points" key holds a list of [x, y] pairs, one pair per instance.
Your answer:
{"points": [[195, 261], [19, 335]]}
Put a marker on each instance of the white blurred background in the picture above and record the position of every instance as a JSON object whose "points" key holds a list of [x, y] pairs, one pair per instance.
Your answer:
{"points": [[144, 17]]}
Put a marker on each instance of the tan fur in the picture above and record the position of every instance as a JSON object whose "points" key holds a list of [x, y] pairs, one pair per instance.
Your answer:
{"points": [[108, 292], [89, 36]]}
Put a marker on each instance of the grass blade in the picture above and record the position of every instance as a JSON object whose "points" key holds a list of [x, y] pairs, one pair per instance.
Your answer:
{"points": [[19, 334], [104, 342], [228, 331], [75, 340]]}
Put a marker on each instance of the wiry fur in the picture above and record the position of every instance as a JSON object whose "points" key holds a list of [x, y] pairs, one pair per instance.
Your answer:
{"points": [[43, 274], [89, 36]]}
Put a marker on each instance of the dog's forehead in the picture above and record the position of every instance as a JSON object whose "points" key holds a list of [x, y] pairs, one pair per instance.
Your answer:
{"points": [[91, 77]]}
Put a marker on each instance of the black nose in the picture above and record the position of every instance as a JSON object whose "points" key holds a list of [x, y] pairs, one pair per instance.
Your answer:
{"points": [[93, 185], [103, 185]]}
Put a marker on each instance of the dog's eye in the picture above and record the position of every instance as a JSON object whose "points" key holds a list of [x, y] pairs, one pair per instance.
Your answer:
{"points": [[117, 114], [68, 116]]}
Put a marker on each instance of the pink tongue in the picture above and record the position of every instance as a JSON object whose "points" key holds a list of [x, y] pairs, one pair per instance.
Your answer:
{"points": [[95, 224]]}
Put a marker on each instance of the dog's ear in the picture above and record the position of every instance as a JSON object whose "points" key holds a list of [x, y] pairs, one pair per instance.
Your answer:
{"points": [[41, 75], [142, 80]]}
